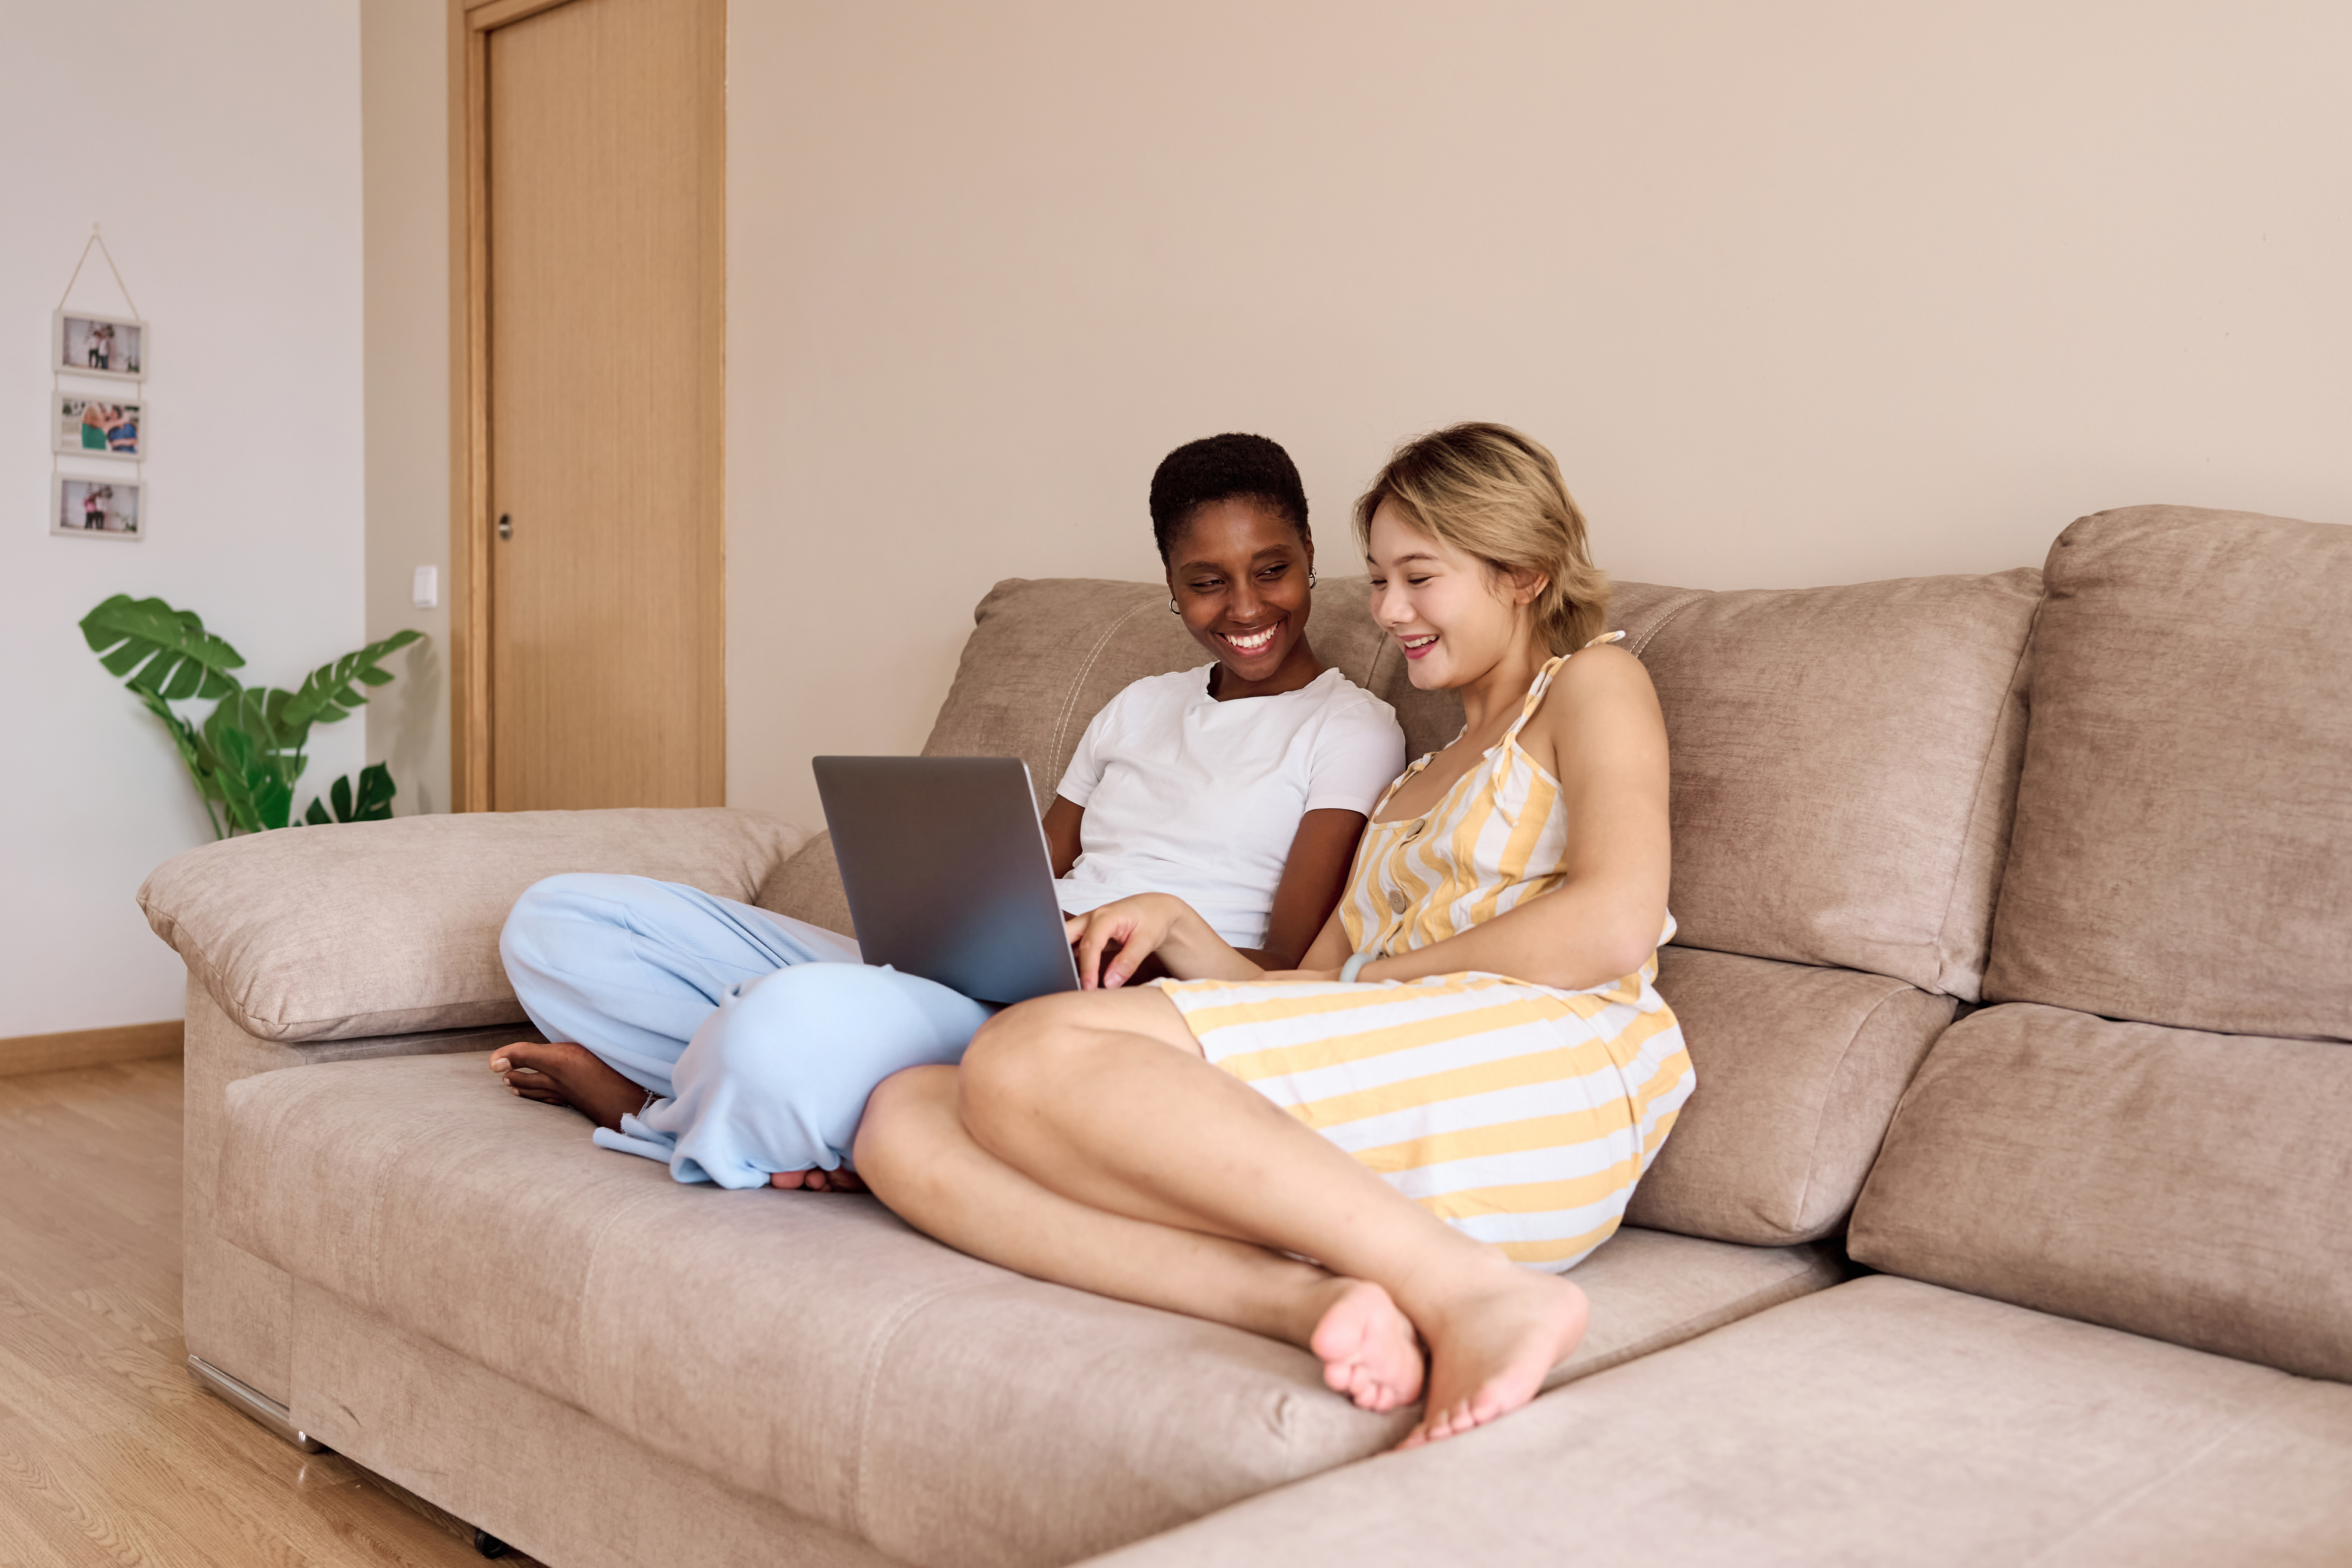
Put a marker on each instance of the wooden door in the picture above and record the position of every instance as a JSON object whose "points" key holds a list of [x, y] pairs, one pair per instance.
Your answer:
{"points": [[597, 498]]}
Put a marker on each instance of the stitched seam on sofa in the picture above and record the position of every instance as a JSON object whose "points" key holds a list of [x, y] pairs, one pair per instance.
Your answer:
{"points": [[1070, 699], [1822, 1111], [1665, 620], [2009, 691], [854, 1505], [1372, 670], [2116, 1505]]}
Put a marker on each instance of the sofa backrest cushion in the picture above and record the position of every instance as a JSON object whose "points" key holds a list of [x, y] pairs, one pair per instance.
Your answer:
{"points": [[1844, 760], [1045, 655], [2182, 851], [2185, 1186], [368, 928], [1842, 757], [1799, 1069]]}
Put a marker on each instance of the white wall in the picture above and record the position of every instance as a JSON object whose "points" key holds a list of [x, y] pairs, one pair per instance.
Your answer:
{"points": [[219, 146], [405, 152], [1821, 290]]}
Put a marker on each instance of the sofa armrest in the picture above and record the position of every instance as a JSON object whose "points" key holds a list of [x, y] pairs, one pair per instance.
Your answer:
{"points": [[392, 927]]}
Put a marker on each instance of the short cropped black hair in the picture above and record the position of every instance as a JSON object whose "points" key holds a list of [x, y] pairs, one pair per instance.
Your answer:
{"points": [[1224, 468]]}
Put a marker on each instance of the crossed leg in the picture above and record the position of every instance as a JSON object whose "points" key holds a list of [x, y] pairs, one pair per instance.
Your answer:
{"points": [[1084, 1140]]}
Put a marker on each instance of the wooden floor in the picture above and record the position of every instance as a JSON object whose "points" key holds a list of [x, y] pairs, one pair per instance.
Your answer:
{"points": [[110, 1454]]}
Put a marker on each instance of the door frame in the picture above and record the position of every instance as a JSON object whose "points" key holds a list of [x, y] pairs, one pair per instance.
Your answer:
{"points": [[471, 22]]}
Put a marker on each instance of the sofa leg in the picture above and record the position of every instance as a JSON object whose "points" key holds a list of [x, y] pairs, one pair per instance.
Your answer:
{"points": [[256, 1404], [489, 1545]]}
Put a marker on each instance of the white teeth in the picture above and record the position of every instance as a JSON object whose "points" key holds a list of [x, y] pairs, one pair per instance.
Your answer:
{"points": [[1252, 644], [1419, 641]]}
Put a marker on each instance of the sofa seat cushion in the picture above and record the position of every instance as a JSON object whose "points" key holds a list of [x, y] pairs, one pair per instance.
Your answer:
{"points": [[2180, 853], [2193, 1186], [375, 929], [1885, 1421], [1799, 1072], [810, 1348]]}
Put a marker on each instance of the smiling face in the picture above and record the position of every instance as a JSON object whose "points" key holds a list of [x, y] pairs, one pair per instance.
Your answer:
{"points": [[1237, 570], [1454, 616]]}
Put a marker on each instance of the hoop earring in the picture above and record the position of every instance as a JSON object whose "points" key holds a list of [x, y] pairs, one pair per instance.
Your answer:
{"points": [[1172, 606], [1310, 576]]}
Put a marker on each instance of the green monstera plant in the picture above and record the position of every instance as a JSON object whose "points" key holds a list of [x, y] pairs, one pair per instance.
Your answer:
{"points": [[246, 756]]}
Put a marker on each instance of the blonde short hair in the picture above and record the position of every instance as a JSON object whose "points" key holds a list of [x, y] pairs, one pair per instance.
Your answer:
{"points": [[1493, 492]]}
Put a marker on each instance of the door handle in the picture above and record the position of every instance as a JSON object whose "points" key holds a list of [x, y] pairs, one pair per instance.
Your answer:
{"points": [[506, 526]]}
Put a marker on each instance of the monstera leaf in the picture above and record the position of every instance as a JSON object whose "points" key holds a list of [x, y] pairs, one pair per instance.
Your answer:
{"points": [[373, 804], [174, 654], [327, 692], [257, 796]]}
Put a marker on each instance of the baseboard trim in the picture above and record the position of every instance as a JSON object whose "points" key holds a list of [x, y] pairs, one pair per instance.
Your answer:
{"points": [[90, 1047]]}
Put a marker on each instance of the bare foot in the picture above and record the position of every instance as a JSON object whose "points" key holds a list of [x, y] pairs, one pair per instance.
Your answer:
{"points": [[1368, 1348], [841, 1180], [1491, 1349], [563, 1074]]}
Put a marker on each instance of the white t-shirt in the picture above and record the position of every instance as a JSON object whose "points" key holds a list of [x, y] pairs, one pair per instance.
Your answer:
{"points": [[1188, 795]]}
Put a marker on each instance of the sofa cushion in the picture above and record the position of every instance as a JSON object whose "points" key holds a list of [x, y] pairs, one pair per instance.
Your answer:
{"points": [[2190, 1186], [811, 1349], [392, 927], [1844, 760], [1885, 1421], [1799, 1072], [2183, 846], [1045, 655]]}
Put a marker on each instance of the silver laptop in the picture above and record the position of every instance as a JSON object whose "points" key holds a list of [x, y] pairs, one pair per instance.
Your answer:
{"points": [[947, 871]]}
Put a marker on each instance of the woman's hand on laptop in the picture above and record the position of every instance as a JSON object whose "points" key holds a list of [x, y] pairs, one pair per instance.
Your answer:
{"points": [[1112, 943]]}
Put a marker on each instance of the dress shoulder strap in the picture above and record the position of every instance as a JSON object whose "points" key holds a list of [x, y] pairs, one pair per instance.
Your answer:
{"points": [[1535, 689], [1542, 683]]}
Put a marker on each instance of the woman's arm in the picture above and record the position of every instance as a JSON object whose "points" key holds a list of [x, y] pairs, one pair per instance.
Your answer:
{"points": [[1312, 880], [1599, 733], [1063, 819]]}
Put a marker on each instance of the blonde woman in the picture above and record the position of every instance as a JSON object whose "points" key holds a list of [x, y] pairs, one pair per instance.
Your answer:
{"points": [[1452, 1101]]}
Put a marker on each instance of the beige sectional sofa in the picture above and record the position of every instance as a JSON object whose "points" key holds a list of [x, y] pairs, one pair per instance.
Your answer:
{"points": [[2066, 1281]]}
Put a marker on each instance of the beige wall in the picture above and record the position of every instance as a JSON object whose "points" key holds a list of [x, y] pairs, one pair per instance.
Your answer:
{"points": [[1799, 293], [404, 178]]}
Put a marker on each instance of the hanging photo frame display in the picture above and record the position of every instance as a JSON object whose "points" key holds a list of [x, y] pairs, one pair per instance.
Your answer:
{"points": [[94, 507], [83, 343], [106, 499], [114, 426]]}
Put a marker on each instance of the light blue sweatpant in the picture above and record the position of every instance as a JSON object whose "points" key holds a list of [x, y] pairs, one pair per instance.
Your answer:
{"points": [[760, 1036]]}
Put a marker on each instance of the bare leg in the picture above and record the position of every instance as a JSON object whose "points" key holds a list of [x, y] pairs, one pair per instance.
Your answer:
{"points": [[912, 1143], [561, 1073], [1103, 1097]]}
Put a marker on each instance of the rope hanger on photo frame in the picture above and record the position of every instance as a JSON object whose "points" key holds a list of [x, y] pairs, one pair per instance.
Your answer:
{"points": [[97, 239], [58, 371]]}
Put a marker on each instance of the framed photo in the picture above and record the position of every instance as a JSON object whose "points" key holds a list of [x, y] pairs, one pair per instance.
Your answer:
{"points": [[97, 508], [100, 426], [81, 344]]}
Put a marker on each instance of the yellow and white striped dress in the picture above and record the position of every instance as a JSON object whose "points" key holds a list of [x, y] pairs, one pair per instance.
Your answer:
{"points": [[1518, 1113]]}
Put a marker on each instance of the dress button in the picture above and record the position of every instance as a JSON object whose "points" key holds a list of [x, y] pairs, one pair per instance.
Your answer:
{"points": [[1396, 900], [1414, 832]]}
